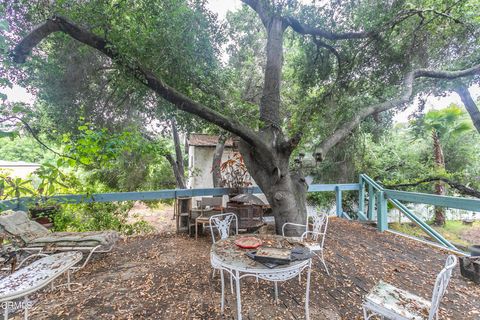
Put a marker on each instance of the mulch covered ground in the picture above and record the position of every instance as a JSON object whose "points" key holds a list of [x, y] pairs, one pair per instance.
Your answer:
{"points": [[169, 277]]}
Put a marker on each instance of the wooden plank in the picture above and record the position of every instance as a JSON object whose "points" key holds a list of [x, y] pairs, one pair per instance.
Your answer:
{"points": [[338, 199], [442, 201], [382, 223], [332, 187], [24, 202], [361, 199], [371, 202]]}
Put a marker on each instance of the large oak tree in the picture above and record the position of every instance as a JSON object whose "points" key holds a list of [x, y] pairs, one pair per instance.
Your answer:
{"points": [[356, 60]]}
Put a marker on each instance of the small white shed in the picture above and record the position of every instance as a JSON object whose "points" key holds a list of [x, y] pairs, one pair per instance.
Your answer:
{"points": [[18, 169], [201, 148], [200, 157]]}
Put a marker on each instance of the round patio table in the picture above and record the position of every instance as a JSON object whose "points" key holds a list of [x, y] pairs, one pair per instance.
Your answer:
{"points": [[226, 256]]}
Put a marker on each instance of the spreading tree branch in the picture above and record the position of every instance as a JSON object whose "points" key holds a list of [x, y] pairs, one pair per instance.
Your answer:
{"points": [[36, 138], [146, 77], [463, 189], [340, 133], [259, 8], [304, 29]]}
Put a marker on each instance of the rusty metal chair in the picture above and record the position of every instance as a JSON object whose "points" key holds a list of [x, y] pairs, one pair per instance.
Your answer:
{"points": [[390, 302]]}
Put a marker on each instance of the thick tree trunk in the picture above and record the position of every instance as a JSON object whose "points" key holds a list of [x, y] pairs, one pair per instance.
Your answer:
{"points": [[217, 161], [177, 162], [178, 176], [439, 185], [285, 190], [270, 101], [268, 162], [470, 105], [178, 149]]}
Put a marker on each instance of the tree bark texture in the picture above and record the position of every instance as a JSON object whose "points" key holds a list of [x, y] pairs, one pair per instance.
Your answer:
{"points": [[179, 178], [470, 105], [439, 219], [217, 161], [270, 101], [285, 190], [178, 156]]}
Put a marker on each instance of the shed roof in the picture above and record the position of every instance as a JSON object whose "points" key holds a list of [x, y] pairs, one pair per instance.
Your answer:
{"points": [[206, 140], [5, 164]]}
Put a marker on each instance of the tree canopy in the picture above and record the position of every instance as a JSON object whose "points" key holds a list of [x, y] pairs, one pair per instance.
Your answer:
{"points": [[298, 69]]}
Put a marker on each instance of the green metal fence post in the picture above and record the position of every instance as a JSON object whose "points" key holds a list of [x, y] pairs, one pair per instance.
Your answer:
{"points": [[371, 202], [361, 199], [338, 197], [382, 223]]}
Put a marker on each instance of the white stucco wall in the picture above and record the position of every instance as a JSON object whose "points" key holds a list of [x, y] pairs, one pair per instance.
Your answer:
{"points": [[200, 168], [18, 169]]}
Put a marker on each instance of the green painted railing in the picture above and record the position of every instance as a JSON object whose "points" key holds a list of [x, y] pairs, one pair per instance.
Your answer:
{"points": [[24, 203], [377, 204], [367, 189]]}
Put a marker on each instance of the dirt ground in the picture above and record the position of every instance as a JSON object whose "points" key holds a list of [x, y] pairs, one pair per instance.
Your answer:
{"points": [[161, 218], [168, 276], [471, 235]]}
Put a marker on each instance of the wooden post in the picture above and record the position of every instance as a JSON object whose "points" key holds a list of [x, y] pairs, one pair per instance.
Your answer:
{"points": [[361, 199], [371, 202], [338, 197], [382, 223]]}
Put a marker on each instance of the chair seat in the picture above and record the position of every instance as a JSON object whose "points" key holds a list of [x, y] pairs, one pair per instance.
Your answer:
{"points": [[313, 246], [395, 303], [203, 220], [37, 275]]}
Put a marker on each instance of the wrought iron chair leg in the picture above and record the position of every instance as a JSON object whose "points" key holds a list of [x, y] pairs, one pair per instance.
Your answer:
{"points": [[239, 299], [276, 291], [25, 300], [321, 258], [75, 269], [5, 313], [196, 230], [68, 280], [307, 294], [223, 290], [324, 264]]}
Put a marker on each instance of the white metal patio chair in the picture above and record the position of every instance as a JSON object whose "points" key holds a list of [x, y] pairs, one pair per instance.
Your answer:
{"points": [[32, 237], [313, 239], [390, 302], [222, 223]]}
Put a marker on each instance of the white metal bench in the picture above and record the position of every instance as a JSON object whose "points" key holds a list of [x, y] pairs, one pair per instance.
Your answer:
{"points": [[35, 276]]}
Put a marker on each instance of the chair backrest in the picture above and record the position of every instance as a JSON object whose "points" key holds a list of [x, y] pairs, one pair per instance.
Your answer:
{"points": [[211, 202], [441, 285], [222, 222], [17, 225], [319, 223]]}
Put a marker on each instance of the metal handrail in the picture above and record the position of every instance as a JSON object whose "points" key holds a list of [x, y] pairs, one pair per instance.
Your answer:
{"points": [[383, 195], [22, 203]]}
